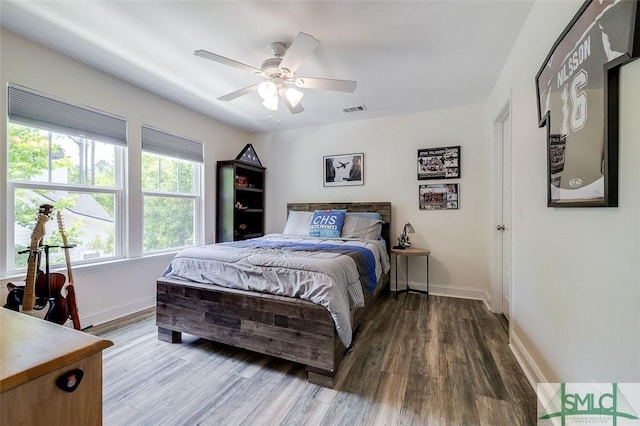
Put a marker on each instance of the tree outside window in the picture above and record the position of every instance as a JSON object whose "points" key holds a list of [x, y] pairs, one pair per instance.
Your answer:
{"points": [[78, 176], [170, 200]]}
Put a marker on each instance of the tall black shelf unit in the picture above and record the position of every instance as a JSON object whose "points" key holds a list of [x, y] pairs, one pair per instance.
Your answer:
{"points": [[240, 195]]}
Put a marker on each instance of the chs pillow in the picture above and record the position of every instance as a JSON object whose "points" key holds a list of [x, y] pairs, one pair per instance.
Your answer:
{"points": [[361, 227], [326, 223], [298, 223]]}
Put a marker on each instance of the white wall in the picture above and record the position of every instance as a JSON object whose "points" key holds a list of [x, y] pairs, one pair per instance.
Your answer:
{"points": [[122, 287], [576, 277], [456, 238], [576, 272]]}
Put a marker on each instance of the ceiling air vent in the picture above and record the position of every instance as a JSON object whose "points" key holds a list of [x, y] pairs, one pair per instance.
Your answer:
{"points": [[358, 108]]}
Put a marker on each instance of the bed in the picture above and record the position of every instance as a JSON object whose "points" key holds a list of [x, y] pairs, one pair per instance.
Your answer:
{"points": [[285, 327]]}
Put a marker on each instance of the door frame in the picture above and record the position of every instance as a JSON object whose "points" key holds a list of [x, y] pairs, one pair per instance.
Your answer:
{"points": [[496, 267]]}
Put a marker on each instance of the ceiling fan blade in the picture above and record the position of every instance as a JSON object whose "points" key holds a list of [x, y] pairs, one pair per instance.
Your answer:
{"points": [[294, 109], [238, 93], [326, 84], [221, 59], [302, 46]]}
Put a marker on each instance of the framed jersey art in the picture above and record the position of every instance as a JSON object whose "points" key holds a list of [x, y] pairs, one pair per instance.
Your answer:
{"points": [[577, 94]]}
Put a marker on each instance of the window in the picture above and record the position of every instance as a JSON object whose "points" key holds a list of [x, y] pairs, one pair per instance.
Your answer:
{"points": [[70, 157], [171, 170]]}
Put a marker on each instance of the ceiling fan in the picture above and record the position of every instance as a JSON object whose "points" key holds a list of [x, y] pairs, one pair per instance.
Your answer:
{"points": [[279, 74]]}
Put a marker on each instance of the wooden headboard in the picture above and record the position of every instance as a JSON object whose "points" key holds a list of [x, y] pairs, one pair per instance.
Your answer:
{"points": [[384, 208]]}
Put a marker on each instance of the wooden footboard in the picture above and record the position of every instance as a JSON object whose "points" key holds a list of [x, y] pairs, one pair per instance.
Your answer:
{"points": [[287, 328]]}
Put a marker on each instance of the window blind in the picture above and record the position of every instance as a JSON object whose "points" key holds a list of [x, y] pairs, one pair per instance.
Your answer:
{"points": [[162, 143], [34, 109]]}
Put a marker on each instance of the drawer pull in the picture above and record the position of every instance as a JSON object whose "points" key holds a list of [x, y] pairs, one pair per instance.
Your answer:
{"points": [[70, 380]]}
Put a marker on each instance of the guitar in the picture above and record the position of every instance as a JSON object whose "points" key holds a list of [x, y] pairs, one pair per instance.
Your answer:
{"points": [[39, 288], [71, 293], [29, 296]]}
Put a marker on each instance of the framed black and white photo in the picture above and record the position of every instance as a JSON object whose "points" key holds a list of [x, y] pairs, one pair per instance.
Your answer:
{"points": [[439, 163], [577, 96], [440, 196], [343, 169]]}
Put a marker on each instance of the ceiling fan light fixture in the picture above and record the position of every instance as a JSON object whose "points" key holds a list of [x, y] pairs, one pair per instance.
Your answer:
{"points": [[294, 96], [267, 90], [271, 104]]}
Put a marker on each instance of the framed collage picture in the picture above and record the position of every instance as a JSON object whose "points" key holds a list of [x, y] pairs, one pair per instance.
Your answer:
{"points": [[439, 163], [439, 196]]}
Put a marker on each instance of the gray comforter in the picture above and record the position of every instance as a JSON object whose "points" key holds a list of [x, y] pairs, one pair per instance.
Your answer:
{"points": [[334, 273]]}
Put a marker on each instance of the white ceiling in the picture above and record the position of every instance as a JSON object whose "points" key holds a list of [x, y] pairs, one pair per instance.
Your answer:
{"points": [[407, 56]]}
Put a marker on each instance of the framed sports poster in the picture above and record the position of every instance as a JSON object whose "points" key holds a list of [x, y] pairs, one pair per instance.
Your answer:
{"points": [[441, 196], [577, 95], [439, 163]]}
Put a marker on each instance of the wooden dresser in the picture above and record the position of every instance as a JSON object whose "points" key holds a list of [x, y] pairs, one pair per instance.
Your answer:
{"points": [[34, 354]]}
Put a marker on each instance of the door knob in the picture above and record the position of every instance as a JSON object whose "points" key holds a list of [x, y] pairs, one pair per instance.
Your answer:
{"points": [[500, 227]]}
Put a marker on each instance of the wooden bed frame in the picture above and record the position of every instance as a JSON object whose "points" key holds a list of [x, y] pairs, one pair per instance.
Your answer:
{"points": [[284, 327]]}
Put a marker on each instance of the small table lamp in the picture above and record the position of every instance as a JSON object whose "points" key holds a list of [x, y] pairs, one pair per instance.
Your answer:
{"points": [[403, 240]]}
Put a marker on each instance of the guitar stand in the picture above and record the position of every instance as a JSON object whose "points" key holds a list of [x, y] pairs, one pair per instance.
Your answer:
{"points": [[13, 300], [16, 291], [46, 248]]}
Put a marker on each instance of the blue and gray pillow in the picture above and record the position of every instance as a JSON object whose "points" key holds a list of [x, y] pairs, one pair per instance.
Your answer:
{"points": [[326, 223]]}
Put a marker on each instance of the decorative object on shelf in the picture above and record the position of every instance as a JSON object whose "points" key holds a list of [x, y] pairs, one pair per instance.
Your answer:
{"points": [[343, 169], [248, 155], [439, 163], [240, 206], [403, 240], [577, 90], [441, 196], [242, 181]]}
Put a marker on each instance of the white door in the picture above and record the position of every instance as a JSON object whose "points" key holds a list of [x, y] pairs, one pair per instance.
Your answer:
{"points": [[505, 225]]}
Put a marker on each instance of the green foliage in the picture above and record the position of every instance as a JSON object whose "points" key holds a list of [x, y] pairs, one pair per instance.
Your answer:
{"points": [[27, 204], [28, 152], [48, 157], [106, 246], [167, 174], [168, 222]]}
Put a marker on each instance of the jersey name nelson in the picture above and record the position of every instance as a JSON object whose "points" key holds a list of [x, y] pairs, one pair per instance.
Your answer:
{"points": [[571, 88]]}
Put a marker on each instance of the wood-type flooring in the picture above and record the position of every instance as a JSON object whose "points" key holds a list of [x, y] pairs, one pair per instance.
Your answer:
{"points": [[441, 362]]}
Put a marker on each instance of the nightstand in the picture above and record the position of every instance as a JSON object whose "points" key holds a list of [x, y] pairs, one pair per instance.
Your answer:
{"points": [[408, 252]]}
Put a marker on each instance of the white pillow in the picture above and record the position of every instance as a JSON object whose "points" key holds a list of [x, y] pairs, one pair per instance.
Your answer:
{"points": [[362, 227], [298, 223]]}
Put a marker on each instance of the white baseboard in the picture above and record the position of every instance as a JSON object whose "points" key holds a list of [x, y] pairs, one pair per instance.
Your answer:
{"points": [[487, 301], [460, 292], [529, 367], [115, 312], [448, 291]]}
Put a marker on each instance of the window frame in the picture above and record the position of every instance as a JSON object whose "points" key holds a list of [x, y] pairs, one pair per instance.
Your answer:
{"points": [[196, 195], [111, 129], [119, 211]]}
